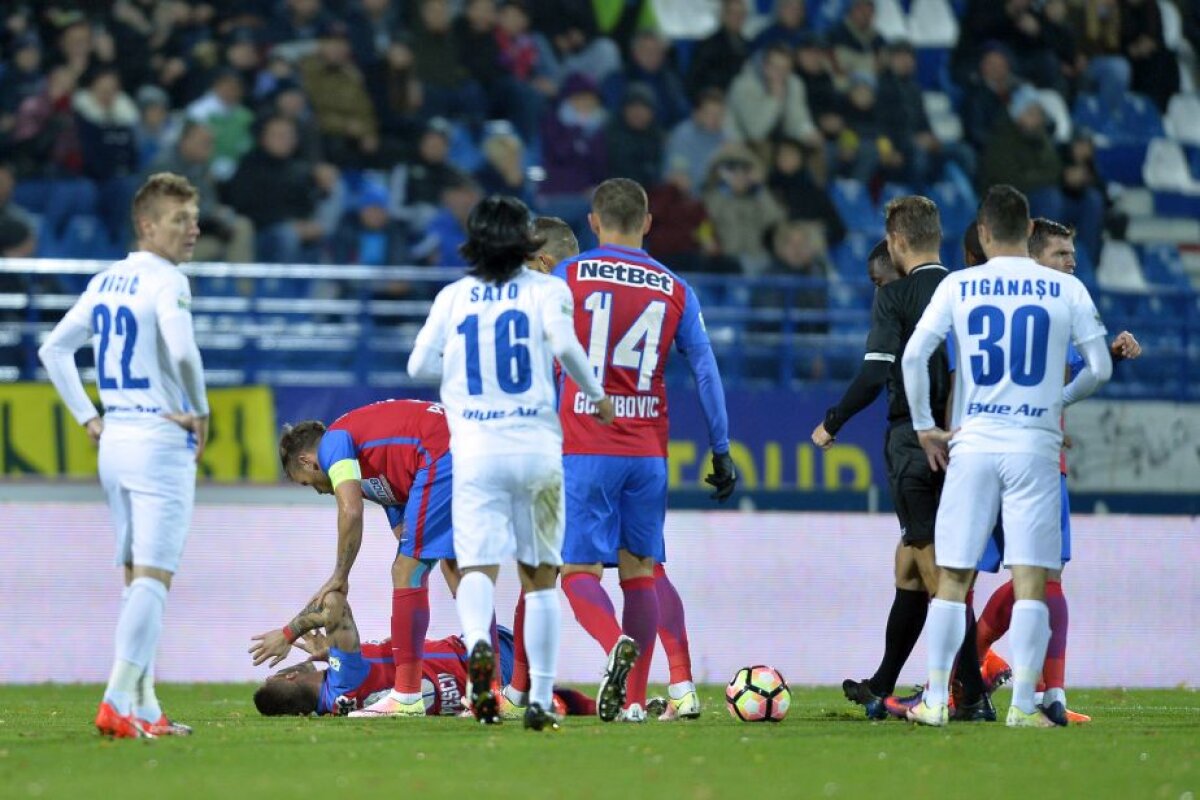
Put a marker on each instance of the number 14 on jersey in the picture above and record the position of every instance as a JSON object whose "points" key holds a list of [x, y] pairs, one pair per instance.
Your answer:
{"points": [[637, 348]]}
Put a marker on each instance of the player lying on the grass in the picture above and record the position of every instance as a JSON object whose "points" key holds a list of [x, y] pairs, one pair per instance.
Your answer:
{"points": [[395, 453], [682, 701], [1007, 440], [1051, 245], [360, 674]]}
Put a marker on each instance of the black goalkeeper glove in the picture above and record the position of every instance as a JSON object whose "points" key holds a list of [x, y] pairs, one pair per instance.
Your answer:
{"points": [[723, 477]]}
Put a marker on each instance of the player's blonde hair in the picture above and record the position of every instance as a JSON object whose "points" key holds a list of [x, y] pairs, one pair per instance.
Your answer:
{"points": [[160, 186], [916, 220]]}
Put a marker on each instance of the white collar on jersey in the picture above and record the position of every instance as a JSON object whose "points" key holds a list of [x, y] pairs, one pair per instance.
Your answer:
{"points": [[928, 266], [998, 260], [147, 256]]}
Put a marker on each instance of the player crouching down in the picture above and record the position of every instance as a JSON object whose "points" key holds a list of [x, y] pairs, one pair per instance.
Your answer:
{"points": [[358, 674]]}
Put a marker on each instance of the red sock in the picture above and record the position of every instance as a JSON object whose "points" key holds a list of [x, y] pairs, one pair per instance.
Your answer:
{"points": [[593, 608], [672, 627], [520, 676], [640, 621], [410, 623], [578, 704], [994, 621], [1055, 667]]}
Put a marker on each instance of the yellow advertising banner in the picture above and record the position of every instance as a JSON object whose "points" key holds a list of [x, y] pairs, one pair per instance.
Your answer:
{"points": [[39, 437]]}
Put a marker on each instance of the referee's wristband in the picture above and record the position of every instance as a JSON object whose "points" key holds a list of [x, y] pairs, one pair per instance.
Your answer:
{"points": [[289, 634]]}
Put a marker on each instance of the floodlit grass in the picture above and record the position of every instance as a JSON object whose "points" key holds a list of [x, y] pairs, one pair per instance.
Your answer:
{"points": [[1141, 744]]}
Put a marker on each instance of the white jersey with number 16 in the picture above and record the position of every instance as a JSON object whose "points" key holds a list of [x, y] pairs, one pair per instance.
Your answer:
{"points": [[1011, 321]]}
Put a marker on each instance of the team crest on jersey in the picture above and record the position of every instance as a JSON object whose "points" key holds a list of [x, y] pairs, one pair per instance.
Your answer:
{"points": [[626, 275], [335, 663], [378, 490]]}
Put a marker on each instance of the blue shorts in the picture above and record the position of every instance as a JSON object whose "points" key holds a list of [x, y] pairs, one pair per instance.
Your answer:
{"points": [[428, 528], [614, 503], [993, 556]]}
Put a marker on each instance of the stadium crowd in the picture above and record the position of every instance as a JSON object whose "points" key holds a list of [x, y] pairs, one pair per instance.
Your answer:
{"points": [[363, 131]]}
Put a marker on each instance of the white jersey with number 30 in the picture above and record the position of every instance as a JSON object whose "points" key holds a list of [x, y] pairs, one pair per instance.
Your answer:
{"points": [[1011, 321], [497, 345]]}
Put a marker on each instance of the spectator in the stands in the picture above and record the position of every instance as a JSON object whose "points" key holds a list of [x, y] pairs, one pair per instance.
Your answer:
{"points": [[279, 191], [1083, 191], [297, 21], [814, 65], [798, 251], [18, 229], [635, 138], [741, 206], [1060, 34], [569, 42], [789, 24], [397, 95], [225, 235], [648, 65], [1021, 28], [985, 101], [694, 141], [447, 231], [521, 89], [288, 99], [106, 118], [475, 29], [863, 151], [47, 157], [416, 185], [1022, 153], [682, 236], [718, 59], [799, 193], [768, 100], [574, 152], [1101, 60], [1155, 68], [79, 46], [139, 34], [503, 169], [338, 94], [450, 90], [369, 235], [242, 55], [906, 123], [221, 109], [855, 41], [375, 25], [157, 128], [22, 78]]}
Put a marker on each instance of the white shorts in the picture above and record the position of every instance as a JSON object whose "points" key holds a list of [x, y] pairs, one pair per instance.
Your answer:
{"points": [[978, 485], [507, 508], [151, 488]]}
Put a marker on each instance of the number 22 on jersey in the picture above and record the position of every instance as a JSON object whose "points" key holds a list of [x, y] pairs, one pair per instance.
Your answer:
{"points": [[125, 326], [637, 349]]}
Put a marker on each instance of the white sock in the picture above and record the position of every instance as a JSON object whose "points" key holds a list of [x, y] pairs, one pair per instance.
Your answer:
{"points": [[147, 706], [946, 626], [138, 629], [404, 697], [1029, 633], [1056, 695], [678, 691], [543, 623], [515, 697], [476, 607]]}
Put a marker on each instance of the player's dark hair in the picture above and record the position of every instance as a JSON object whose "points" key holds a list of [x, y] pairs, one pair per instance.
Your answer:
{"points": [[303, 437], [1005, 213], [500, 239], [915, 219], [711, 94], [621, 205], [285, 699], [973, 254], [1043, 231], [560, 241], [879, 253]]}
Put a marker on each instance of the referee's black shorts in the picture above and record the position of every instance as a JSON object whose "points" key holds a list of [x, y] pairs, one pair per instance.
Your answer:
{"points": [[916, 489]]}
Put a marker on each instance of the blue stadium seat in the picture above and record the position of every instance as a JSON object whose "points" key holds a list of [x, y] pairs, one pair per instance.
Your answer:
{"points": [[853, 203], [1137, 119], [1085, 270], [1174, 204], [956, 208], [1121, 162], [850, 257], [1162, 266], [891, 191], [933, 64]]}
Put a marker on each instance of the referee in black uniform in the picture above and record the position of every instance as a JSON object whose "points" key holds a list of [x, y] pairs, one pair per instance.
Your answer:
{"points": [[914, 237]]}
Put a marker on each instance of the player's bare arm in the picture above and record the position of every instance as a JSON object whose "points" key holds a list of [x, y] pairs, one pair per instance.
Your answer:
{"points": [[350, 527], [331, 613]]}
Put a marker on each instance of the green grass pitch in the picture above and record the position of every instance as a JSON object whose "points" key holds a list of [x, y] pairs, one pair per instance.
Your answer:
{"points": [[1141, 744]]}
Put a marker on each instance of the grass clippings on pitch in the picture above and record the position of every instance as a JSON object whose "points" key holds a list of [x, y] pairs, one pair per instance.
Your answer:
{"points": [[1141, 744]]}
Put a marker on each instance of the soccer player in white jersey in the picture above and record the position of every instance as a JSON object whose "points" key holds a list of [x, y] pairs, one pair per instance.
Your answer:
{"points": [[491, 338], [1012, 322], [151, 433]]}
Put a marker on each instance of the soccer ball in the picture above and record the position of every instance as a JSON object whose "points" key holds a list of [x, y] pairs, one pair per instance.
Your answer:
{"points": [[758, 694]]}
